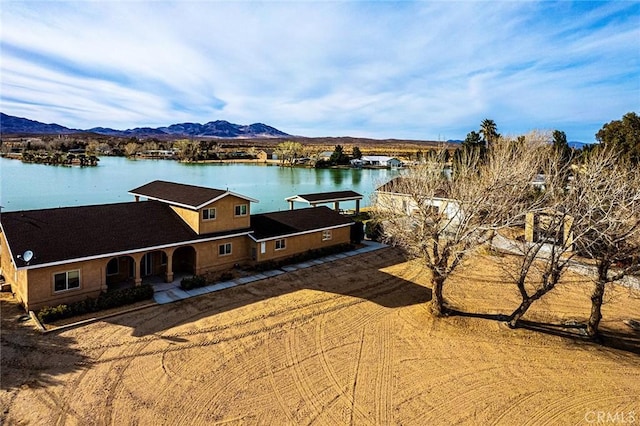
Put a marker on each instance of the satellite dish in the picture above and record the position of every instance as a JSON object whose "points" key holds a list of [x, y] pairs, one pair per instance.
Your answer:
{"points": [[27, 256]]}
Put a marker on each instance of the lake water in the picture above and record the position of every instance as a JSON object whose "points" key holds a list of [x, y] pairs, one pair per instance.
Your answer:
{"points": [[36, 186]]}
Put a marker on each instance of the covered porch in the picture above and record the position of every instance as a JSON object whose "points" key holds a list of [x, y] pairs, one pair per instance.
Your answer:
{"points": [[334, 198], [150, 267]]}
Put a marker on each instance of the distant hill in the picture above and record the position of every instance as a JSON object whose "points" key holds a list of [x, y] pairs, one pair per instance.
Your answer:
{"points": [[220, 129], [11, 124]]}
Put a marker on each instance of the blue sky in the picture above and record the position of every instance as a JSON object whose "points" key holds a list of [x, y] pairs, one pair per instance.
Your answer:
{"points": [[416, 70]]}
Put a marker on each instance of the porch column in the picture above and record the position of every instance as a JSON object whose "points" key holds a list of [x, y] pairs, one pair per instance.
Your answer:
{"points": [[137, 261], [169, 274], [336, 206], [357, 206], [290, 205]]}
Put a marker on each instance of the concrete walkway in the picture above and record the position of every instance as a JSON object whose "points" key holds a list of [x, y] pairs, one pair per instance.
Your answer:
{"points": [[171, 292]]}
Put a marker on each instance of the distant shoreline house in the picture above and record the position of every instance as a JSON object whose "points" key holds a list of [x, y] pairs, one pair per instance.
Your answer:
{"points": [[375, 161], [62, 255]]}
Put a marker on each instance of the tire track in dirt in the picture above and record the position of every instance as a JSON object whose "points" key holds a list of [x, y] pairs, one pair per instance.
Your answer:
{"points": [[341, 389], [214, 328], [305, 390], [555, 411], [384, 385], [355, 377], [122, 364], [268, 356], [300, 319], [522, 400]]}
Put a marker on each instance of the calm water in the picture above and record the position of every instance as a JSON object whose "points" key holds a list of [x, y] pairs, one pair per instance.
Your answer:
{"points": [[36, 186]]}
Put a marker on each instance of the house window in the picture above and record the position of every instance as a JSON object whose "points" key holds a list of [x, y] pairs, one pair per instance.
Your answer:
{"points": [[113, 267], [209, 214], [66, 280], [280, 244], [163, 258], [241, 210], [224, 249], [326, 235], [263, 247]]}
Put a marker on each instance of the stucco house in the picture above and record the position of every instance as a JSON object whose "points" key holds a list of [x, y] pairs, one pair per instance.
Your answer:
{"points": [[61, 255], [392, 197], [376, 161]]}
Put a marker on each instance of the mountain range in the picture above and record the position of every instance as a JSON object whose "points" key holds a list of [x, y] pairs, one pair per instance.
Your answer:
{"points": [[222, 129]]}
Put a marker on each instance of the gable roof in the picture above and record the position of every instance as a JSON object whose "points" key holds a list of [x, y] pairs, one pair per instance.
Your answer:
{"points": [[399, 183], [66, 234], [294, 222], [326, 197], [190, 196]]}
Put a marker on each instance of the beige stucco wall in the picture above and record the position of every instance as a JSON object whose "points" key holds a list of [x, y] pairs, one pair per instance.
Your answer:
{"points": [[225, 220], [191, 217], [302, 243], [209, 259], [16, 278], [41, 292]]}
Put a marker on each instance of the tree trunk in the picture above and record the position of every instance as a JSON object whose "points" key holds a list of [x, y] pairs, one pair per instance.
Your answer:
{"points": [[437, 301], [596, 308], [519, 312]]}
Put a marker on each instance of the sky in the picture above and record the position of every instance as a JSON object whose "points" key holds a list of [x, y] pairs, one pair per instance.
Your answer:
{"points": [[380, 69]]}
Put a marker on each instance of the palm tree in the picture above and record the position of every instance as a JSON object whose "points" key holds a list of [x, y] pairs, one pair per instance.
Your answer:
{"points": [[489, 131]]}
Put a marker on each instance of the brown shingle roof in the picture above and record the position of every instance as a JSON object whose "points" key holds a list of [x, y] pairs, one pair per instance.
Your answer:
{"points": [[177, 193], [63, 234], [287, 222], [326, 197]]}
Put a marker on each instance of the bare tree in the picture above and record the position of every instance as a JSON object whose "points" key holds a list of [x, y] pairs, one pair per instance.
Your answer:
{"points": [[131, 149], [606, 193], [545, 252], [440, 213], [288, 151], [187, 150]]}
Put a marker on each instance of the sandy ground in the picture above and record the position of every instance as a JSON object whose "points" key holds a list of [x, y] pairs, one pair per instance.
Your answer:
{"points": [[349, 342]]}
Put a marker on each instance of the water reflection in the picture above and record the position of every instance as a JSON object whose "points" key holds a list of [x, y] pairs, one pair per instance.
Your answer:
{"points": [[35, 186], [337, 176]]}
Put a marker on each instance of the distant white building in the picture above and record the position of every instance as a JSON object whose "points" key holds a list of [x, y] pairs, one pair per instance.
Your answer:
{"points": [[376, 161], [390, 197]]}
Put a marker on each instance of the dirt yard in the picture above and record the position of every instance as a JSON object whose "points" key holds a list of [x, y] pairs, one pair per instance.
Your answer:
{"points": [[349, 342]]}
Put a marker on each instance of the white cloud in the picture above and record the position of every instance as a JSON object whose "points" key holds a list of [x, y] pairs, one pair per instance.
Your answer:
{"points": [[378, 69]]}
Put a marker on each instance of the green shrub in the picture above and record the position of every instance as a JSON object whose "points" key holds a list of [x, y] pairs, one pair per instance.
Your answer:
{"points": [[110, 299], [373, 230], [187, 283], [226, 276]]}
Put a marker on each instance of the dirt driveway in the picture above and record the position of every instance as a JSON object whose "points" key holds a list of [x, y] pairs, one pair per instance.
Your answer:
{"points": [[348, 342]]}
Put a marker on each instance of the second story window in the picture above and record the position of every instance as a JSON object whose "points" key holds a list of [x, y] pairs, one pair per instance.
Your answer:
{"points": [[209, 214], [241, 210]]}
